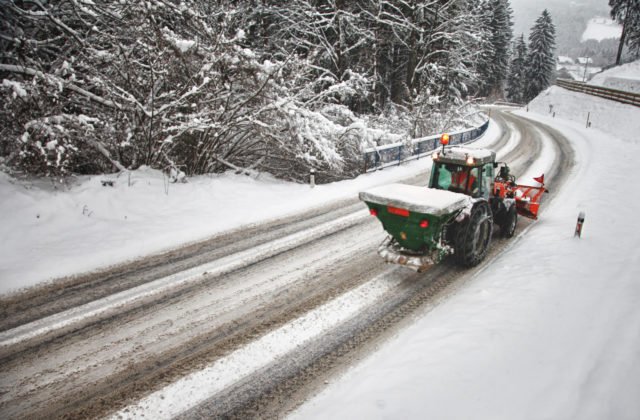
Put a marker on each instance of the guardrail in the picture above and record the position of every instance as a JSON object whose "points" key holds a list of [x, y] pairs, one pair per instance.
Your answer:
{"points": [[394, 154], [628, 98]]}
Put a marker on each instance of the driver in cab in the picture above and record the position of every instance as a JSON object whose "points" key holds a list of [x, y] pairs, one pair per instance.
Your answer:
{"points": [[461, 179]]}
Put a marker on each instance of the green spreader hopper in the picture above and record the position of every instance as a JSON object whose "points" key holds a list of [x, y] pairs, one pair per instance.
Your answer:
{"points": [[416, 219]]}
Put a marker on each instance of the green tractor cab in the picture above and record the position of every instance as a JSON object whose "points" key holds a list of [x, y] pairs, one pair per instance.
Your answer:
{"points": [[463, 170], [455, 215]]}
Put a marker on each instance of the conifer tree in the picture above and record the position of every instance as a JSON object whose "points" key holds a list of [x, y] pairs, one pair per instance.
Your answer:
{"points": [[516, 81], [627, 13], [494, 29], [541, 58], [501, 34], [485, 49], [633, 36]]}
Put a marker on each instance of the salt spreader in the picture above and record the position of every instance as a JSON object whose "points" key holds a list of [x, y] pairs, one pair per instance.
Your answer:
{"points": [[456, 214]]}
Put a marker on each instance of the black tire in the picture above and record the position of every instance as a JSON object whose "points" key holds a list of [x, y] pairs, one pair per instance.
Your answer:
{"points": [[474, 236], [509, 222]]}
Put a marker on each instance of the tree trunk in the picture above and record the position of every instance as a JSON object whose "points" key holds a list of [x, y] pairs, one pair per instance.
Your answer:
{"points": [[622, 38]]}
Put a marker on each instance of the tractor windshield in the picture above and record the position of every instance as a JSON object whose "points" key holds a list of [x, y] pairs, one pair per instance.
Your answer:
{"points": [[456, 178]]}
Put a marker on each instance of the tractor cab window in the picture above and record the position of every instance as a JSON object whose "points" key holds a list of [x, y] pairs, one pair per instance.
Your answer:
{"points": [[487, 179], [471, 184], [456, 178], [441, 176]]}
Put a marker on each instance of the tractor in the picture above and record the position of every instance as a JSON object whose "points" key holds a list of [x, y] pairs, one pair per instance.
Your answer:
{"points": [[469, 192]]}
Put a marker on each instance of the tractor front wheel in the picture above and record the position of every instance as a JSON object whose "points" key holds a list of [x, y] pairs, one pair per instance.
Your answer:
{"points": [[509, 222], [474, 236]]}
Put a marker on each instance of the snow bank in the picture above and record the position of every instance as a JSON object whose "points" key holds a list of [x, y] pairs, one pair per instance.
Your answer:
{"points": [[625, 77], [611, 117]]}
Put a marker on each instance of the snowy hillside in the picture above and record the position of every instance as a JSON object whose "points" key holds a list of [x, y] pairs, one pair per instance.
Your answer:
{"points": [[601, 28], [625, 77], [547, 330], [611, 118]]}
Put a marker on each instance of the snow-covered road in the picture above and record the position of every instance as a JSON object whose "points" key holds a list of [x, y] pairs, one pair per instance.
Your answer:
{"points": [[87, 360], [546, 327], [549, 330]]}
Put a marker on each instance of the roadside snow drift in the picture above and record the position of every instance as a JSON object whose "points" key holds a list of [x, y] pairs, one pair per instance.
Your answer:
{"points": [[625, 77]]}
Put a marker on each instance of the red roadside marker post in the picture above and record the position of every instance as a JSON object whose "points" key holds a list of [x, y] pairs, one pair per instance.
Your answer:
{"points": [[579, 225]]}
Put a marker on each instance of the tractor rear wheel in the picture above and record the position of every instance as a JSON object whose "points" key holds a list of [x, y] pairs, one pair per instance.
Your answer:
{"points": [[474, 236], [509, 222]]}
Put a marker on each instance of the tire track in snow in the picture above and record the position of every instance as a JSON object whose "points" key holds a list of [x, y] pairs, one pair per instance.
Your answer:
{"points": [[279, 398], [78, 317], [203, 384], [431, 284], [118, 358], [35, 303], [61, 407], [18, 331]]}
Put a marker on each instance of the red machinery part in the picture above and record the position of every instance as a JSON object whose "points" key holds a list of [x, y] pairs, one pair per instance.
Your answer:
{"points": [[528, 200]]}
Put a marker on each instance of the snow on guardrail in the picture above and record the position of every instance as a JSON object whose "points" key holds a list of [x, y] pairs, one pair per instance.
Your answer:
{"points": [[621, 96], [394, 154]]}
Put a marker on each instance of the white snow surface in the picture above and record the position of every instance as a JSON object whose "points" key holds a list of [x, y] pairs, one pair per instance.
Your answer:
{"points": [[461, 153], [416, 198], [612, 119], [548, 330], [601, 28], [625, 77], [113, 304], [563, 59], [18, 89], [49, 233], [579, 72], [197, 387]]}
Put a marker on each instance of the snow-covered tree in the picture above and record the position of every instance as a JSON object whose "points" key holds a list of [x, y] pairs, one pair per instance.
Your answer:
{"points": [[498, 17], [202, 86], [447, 51], [381, 44], [131, 83], [329, 35], [633, 36], [516, 80], [485, 48], [541, 58], [627, 13]]}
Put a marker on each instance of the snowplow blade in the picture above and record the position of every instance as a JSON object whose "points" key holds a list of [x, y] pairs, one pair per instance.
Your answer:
{"points": [[528, 200]]}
